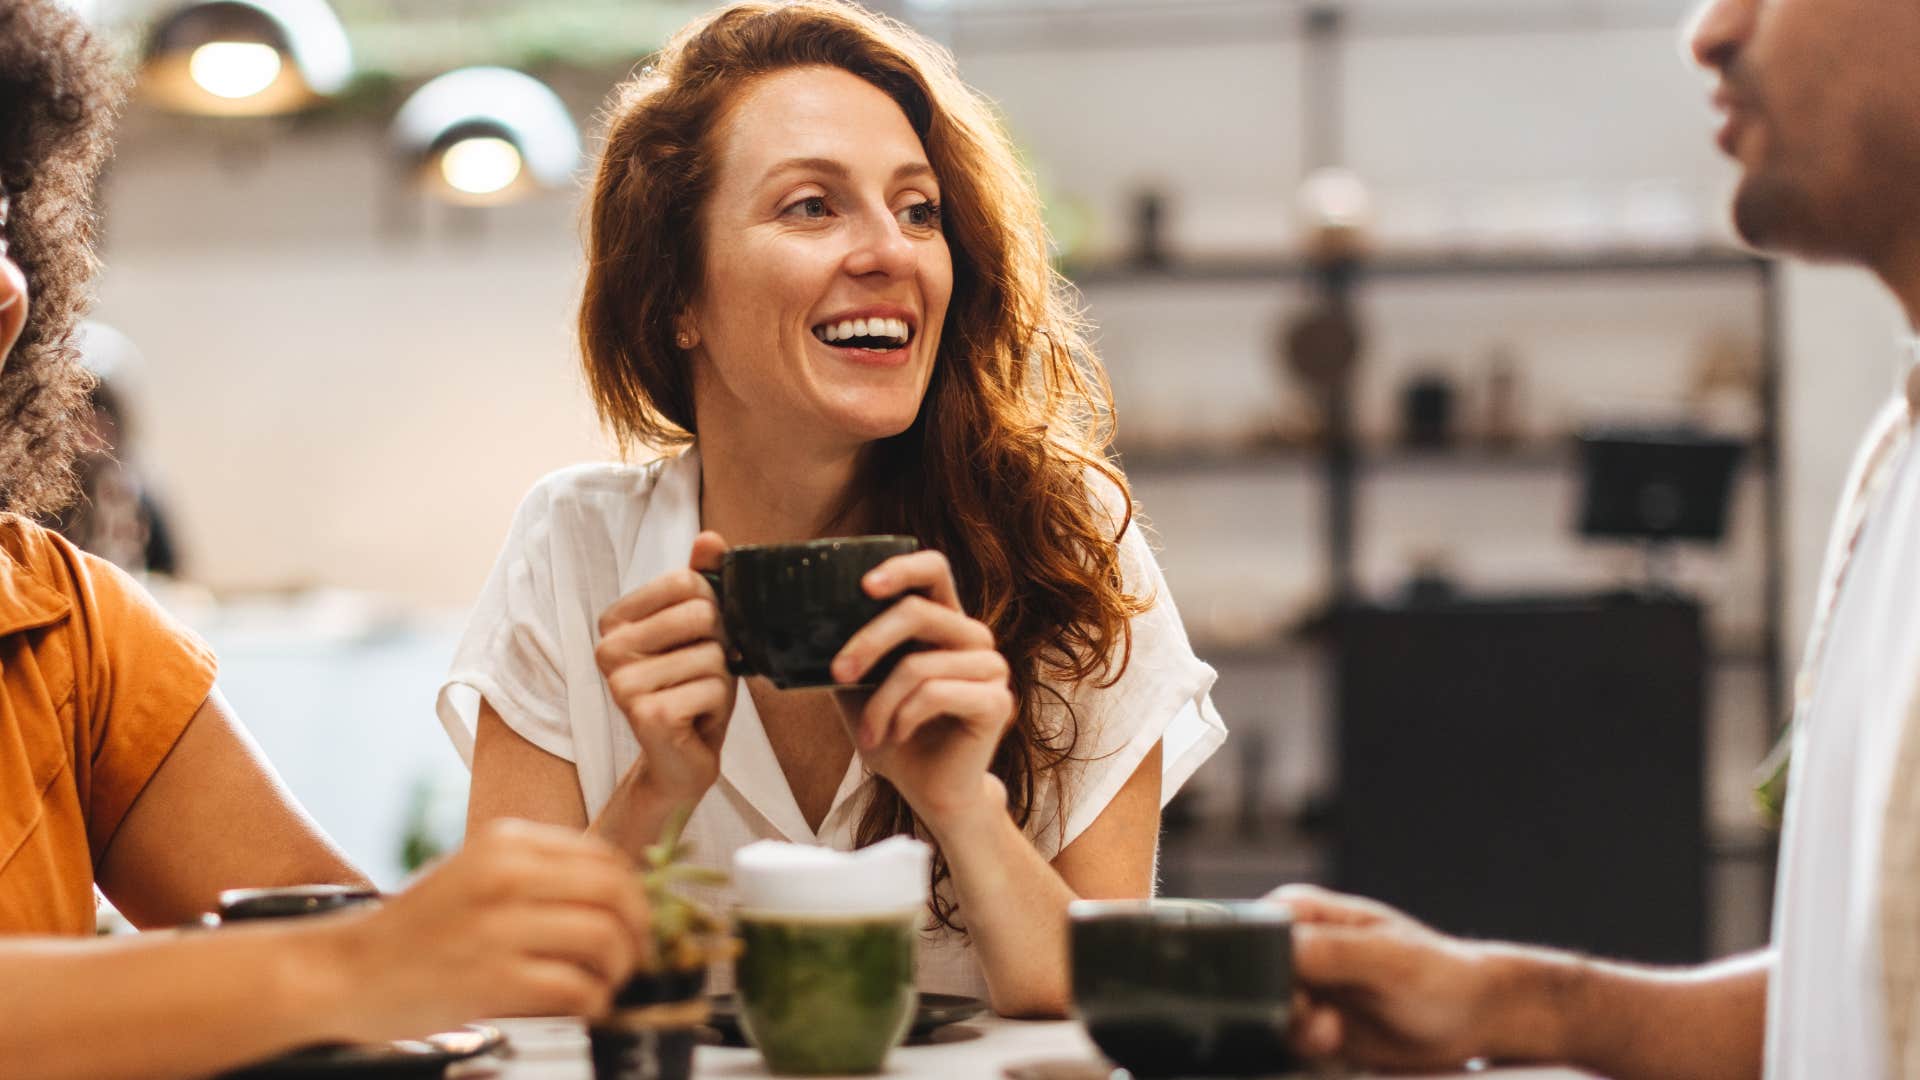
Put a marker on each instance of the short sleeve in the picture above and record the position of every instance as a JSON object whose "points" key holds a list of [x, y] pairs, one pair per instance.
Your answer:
{"points": [[140, 678], [510, 653], [1163, 697]]}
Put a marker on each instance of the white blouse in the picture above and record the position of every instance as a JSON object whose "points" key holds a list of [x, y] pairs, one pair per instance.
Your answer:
{"points": [[587, 535]]}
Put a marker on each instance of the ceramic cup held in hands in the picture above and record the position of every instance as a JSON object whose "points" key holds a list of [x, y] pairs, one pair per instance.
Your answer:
{"points": [[789, 608], [1185, 987], [826, 970]]}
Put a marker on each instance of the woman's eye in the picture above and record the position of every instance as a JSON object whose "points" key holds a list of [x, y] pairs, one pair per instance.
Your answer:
{"points": [[814, 207], [921, 215]]}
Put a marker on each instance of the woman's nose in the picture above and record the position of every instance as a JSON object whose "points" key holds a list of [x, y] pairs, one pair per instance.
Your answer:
{"points": [[880, 248]]}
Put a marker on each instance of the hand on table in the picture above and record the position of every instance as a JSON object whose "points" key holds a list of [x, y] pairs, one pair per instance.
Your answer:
{"points": [[525, 920], [660, 651], [932, 727]]}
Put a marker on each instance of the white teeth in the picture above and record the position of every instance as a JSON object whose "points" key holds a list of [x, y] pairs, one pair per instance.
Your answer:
{"points": [[895, 329]]}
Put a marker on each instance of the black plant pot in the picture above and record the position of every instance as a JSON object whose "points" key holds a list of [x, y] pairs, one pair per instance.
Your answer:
{"points": [[653, 1027]]}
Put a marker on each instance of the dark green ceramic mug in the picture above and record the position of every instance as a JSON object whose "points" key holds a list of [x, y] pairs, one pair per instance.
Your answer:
{"points": [[787, 609], [1185, 988]]}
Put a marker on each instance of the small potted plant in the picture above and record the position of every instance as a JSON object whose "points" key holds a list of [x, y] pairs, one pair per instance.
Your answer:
{"points": [[656, 1017]]}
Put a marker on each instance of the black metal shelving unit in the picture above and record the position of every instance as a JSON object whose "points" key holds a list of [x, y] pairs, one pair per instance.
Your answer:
{"points": [[1343, 468], [1342, 464]]}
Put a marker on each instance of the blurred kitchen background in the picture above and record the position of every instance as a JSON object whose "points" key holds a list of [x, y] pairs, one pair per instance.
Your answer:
{"points": [[336, 373]]}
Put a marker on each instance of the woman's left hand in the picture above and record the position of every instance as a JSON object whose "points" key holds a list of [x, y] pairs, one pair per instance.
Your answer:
{"points": [[931, 728]]}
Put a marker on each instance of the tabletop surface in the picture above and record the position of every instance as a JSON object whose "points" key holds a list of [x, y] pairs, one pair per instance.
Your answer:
{"points": [[984, 1048]]}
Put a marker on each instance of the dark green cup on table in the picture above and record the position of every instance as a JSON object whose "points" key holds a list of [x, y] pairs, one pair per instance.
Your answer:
{"points": [[1185, 988], [789, 608], [825, 976]]}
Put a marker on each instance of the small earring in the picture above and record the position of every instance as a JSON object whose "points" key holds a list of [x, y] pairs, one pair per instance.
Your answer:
{"points": [[685, 340]]}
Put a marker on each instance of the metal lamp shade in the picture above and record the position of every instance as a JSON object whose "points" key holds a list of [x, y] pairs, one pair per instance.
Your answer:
{"points": [[246, 57], [486, 106]]}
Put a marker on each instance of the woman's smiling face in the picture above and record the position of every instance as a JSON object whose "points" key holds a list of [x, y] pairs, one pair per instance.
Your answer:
{"points": [[827, 274]]}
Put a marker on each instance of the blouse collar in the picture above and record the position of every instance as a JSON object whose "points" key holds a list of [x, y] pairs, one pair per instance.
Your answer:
{"points": [[747, 762]]}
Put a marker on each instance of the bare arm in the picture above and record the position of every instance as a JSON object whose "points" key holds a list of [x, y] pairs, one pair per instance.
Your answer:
{"points": [[1387, 992], [1705, 1023], [214, 816], [524, 921], [512, 778], [1014, 903], [660, 654], [175, 1005]]}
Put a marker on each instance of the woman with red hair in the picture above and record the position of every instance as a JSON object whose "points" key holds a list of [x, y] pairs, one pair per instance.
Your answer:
{"points": [[818, 273]]}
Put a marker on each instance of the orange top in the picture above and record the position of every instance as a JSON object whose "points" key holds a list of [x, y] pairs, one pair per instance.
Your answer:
{"points": [[96, 684]]}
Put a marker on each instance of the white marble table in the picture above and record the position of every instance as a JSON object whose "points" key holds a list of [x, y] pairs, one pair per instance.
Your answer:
{"points": [[977, 1050]]}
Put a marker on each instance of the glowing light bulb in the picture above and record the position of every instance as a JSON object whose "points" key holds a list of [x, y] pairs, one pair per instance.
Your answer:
{"points": [[234, 69], [481, 165], [1336, 198]]}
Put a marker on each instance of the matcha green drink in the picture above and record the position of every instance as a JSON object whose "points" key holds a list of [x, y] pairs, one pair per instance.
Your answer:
{"points": [[826, 972]]}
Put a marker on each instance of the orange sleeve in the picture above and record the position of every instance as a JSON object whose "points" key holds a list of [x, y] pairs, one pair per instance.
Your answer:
{"points": [[140, 676]]}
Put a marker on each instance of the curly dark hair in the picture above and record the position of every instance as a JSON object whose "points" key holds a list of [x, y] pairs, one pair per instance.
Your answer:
{"points": [[59, 95]]}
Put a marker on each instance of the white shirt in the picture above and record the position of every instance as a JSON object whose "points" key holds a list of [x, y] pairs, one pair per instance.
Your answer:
{"points": [[587, 535], [1826, 1013]]}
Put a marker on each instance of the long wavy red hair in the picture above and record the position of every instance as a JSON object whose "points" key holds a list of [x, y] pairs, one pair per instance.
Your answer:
{"points": [[998, 471]]}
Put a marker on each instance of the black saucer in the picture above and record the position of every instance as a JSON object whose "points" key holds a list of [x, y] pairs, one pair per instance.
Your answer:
{"points": [[935, 1011]]}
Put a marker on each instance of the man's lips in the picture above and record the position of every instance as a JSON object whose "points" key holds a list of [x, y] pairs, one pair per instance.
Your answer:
{"points": [[1728, 135], [1735, 111]]}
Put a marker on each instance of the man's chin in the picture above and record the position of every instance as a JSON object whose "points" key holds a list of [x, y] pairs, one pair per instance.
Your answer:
{"points": [[1774, 216]]}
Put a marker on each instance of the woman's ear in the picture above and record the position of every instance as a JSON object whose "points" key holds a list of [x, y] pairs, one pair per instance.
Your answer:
{"points": [[685, 336]]}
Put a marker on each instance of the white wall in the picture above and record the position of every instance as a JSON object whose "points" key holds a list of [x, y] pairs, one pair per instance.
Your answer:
{"points": [[328, 400], [335, 396], [332, 398]]}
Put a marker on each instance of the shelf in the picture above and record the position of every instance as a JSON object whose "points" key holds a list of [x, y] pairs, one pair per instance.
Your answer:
{"points": [[1290, 650], [1220, 270], [1218, 847], [1145, 463], [974, 26]]}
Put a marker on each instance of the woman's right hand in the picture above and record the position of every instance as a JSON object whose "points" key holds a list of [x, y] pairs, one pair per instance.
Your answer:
{"points": [[660, 651]]}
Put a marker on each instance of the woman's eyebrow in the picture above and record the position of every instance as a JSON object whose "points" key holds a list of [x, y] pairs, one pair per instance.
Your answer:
{"points": [[908, 170]]}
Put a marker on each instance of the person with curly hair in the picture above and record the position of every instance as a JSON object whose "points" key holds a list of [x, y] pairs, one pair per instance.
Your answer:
{"points": [[817, 269], [123, 770]]}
